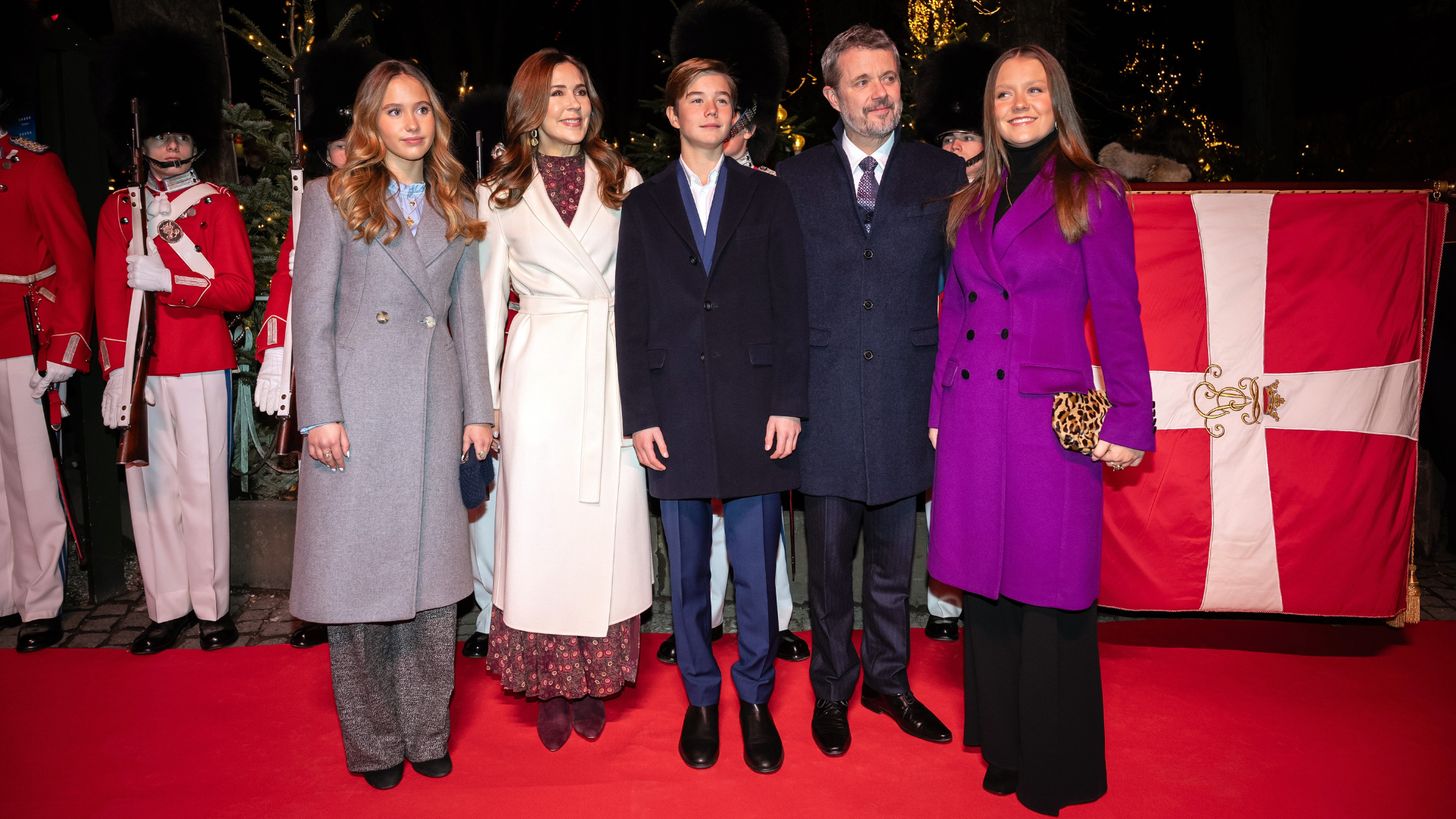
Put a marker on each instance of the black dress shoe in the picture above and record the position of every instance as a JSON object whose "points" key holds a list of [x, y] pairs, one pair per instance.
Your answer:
{"points": [[309, 635], [387, 778], [667, 652], [943, 629], [830, 726], [477, 646], [39, 634], [433, 768], [763, 750], [159, 637], [1000, 781], [216, 634], [909, 713], [698, 745], [10, 621], [792, 647]]}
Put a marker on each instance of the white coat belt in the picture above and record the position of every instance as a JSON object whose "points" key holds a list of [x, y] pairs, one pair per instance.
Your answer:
{"points": [[600, 315]]}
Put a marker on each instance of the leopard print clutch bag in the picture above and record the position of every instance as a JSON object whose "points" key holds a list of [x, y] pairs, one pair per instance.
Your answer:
{"points": [[1077, 419]]}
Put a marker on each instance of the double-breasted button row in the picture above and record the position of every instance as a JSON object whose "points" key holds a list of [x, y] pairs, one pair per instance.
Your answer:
{"points": [[428, 321], [382, 317]]}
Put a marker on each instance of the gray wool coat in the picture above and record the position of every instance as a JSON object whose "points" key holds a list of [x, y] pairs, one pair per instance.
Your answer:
{"points": [[385, 538]]}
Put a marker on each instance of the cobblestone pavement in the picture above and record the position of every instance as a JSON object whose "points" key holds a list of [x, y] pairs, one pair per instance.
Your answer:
{"points": [[263, 619]]}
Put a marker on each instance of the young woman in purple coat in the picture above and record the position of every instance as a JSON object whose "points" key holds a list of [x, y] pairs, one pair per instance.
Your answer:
{"points": [[1044, 233]]}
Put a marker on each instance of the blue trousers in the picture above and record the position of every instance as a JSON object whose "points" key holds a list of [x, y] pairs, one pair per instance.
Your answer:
{"points": [[752, 525]]}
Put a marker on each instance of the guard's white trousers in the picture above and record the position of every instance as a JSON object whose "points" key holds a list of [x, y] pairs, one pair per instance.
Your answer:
{"points": [[718, 577], [179, 503], [940, 599], [482, 555], [32, 524]]}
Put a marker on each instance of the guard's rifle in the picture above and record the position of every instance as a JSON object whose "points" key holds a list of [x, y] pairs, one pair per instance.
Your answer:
{"points": [[288, 443], [142, 317], [53, 412]]}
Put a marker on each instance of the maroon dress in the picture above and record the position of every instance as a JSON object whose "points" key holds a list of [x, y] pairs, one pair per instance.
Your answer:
{"points": [[557, 665]]}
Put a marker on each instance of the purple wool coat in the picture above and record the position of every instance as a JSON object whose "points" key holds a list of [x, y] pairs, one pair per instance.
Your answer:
{"points": [[1015, 514]]}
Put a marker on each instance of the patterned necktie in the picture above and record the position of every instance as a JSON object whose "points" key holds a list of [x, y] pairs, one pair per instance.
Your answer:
{"points": [[868, 189]]}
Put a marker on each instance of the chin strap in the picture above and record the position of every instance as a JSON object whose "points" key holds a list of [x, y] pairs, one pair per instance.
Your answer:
{"points": [[176, 163]]}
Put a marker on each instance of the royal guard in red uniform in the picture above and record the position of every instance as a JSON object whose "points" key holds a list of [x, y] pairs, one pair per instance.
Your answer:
{"points": [[45, 321], [197, 263], [329, 78]]}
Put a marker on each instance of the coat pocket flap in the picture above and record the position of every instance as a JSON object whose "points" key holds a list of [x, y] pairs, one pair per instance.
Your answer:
{"points": [[656, 359], [1044, 379], [948, 375], [925, 336], [760, 355], [818, 337]]}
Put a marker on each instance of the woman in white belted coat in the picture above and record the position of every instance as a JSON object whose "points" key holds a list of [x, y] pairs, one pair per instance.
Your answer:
{"points": [[573, 563]]}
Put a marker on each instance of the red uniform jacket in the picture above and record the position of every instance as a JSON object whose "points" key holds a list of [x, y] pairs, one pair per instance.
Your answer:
{"points": [[192, 336], [275, 315], [41, 226]]}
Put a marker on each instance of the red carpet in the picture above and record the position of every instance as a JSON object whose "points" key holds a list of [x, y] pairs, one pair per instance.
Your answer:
{"points": [[1204, 718]]}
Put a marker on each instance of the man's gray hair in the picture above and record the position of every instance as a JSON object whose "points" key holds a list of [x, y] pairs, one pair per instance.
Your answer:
{"points": [[860, 36]]}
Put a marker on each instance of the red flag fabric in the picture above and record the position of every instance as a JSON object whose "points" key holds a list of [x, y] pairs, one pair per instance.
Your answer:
{"points": [[1288, 335]]}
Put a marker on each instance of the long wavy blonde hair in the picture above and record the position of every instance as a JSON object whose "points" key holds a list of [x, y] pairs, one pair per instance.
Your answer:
{"points": [[360, 189]]}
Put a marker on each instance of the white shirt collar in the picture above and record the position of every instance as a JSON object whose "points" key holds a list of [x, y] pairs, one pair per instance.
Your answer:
{"points": [[856, 156], [693, 178]]}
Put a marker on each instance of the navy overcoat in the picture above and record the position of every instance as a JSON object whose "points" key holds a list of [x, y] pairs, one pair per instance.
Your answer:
{"points": [[708, 357], [872, 317]]}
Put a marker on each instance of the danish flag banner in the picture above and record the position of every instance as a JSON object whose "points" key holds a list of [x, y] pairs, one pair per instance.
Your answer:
{"points": [[1288, 335]]}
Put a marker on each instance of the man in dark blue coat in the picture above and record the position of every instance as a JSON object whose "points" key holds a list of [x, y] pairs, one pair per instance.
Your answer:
{"points": [[872, 206], [712, 349]]}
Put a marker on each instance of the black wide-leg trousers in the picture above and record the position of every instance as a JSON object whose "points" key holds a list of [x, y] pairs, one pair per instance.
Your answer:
{"points": [[1034, 699]]}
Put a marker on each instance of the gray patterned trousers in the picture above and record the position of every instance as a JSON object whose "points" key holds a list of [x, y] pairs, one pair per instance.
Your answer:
{"points": [[392, 687]]}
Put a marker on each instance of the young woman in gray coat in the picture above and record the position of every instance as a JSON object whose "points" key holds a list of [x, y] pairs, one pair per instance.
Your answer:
{"points": [[389, 326]]}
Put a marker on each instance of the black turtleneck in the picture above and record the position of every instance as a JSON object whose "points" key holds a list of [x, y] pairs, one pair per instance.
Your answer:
{"points": [[1024, 164]]}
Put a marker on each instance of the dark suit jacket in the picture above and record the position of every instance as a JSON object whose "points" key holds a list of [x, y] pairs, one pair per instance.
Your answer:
{"points": [[708, 358], [872, 317]]}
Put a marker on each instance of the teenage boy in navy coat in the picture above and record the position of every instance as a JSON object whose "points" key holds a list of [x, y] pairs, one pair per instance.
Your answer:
{"points": [[712, 352]]}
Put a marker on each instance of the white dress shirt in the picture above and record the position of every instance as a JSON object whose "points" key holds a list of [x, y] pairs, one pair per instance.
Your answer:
{"points": [[702, 193], [856, 156]]}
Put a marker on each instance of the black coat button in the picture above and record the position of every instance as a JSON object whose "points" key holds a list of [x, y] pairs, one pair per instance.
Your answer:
{"points": [[702, 357], [1005, 295], [869, 354], [693, 260], [708, 305], [1005, 333], [1000, 375], [970, 335], [869, 305], [971, 296], [965, 374], [869, 254]]}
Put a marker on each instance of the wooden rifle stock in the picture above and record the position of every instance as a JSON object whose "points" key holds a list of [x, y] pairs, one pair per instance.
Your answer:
{"points": [[288, 444], [133, 448]]}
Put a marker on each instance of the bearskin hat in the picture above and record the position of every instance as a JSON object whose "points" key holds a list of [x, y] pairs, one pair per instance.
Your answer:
{"points": [[176, 77], [949, 86], [753, 46], [330, 74], [483, 110]]}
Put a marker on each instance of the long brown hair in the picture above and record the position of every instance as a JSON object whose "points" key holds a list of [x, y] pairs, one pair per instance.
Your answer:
{"points": [[530, 93], [1074, 173], [360, 188]]}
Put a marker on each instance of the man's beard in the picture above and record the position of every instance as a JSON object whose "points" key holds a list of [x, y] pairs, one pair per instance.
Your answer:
{"points": [[861, 121]]}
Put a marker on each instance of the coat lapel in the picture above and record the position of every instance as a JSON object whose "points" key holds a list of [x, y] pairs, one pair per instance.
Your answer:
{"points": [[669, 202], [405, 251], [1037, 199], [585, 276], [431, 236], [736, 199]]}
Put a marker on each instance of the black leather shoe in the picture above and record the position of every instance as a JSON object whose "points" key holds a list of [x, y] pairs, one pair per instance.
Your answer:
{"points": [[1000, 781], [763, 750], [477, 646], [667, 652], [698, 745], [792, 647], [10, 621], [830, 726], [943, 629], [309, 635], [216, 634], [39, 634], [159, 637], [909, 713], [433, 768], [387, 778]]}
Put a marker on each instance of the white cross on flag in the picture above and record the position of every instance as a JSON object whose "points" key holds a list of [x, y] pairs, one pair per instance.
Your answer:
{"points": [[1288, 335]]}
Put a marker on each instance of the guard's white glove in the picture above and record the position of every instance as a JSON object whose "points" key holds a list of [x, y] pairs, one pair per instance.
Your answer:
{"points": [[269, 386], [116, 396], [54, 374], [148, 273]]}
